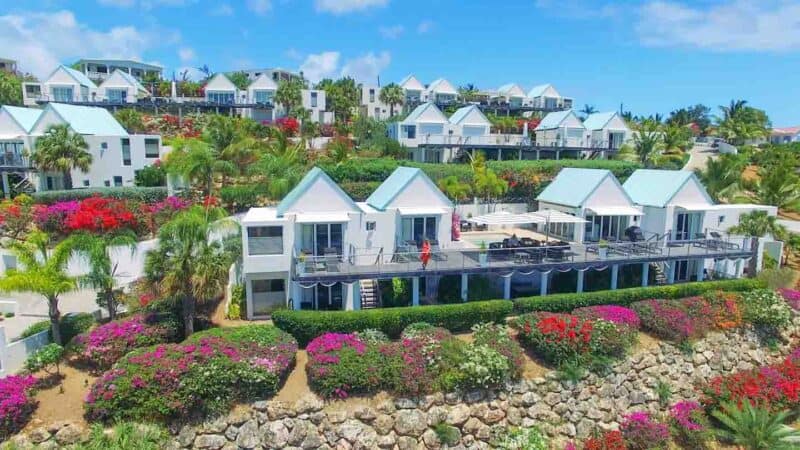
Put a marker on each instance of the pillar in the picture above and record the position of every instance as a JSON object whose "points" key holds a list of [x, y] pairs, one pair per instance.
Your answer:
{"points": [[6, 186], [464, 287], [297, 295], [353, 301], [520, 153], [537, 154], [645, 273], [671, 272], [614, 276], [558, 155], [701, 264], [543, 283], [415, 291], [581, 273], [739, 267], [499, 154], [507, 287]]}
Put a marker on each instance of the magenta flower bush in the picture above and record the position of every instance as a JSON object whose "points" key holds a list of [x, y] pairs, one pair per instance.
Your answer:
{"points": [[792, 297], [666, 319], [16, 403], [102, 346], [689, 425], [641, 432], [204, 375], [612, 313]]}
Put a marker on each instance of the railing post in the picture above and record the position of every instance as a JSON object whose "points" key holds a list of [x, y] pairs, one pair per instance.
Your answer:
{"points": [[415, 291]]}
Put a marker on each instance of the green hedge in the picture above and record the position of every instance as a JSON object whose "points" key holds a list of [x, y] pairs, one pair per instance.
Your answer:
{"points": [[240, 198], [143, 194], [72, 325], [624, 297], [306, 325], [359, 190]]}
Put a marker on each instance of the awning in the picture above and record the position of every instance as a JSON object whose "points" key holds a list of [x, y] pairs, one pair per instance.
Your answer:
{"points": [[555, 216], [505, 218], [695, 206], [615, 211], [421, 211], [322, 217]]}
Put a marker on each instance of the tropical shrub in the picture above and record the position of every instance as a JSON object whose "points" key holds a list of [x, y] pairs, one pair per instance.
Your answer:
{"points": [[792, 297], [726, 309], [610, 339], [204, 375], [766, 308], [16, 403], [71, 326], [610, 440], [102, 346], [142, 194], [126, 436], [47, 359], [522, 439], [16, 216], [556, 338], [689, 425], [641, 432], [372, 336], [666, 319], [612, 313], [498, 338], [341, 364], [775, 387], [755, 428]]}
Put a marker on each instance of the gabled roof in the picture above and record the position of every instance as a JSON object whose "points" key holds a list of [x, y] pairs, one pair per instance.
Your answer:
{"points": [[537, 91], [78, 76], [88, 120], [554, 119], [651, 187], [598, 121], [24, 117], [263, 81], [420, 110], [511, 90], [462, 113], [786, 130], [394, 185], [311, 177], [411, 83], [130, 79], [572, 186], [442, 86], [225, 83]]}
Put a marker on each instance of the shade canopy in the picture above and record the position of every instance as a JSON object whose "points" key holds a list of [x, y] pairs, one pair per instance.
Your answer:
{"points": [[322, 217], [505, 218], [695, 206], [555, 216], [421, 211], [615, 211]]}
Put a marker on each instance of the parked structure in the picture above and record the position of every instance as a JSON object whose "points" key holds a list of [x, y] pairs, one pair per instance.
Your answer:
{"points": [[116, 155]]}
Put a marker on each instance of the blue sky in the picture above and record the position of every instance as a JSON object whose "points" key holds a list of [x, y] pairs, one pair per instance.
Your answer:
{"points": [[652, 56]]}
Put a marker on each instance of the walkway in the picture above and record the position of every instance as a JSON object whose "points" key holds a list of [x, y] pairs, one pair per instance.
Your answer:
{"points": [[698, 156]]}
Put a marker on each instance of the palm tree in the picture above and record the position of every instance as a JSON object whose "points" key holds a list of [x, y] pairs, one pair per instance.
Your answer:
{"points": [[61, 150], [722, 177], [759, 224], [454, 188], [647, 140], [778, 186], [282, 166], [131, 120], [95, 250], [197, 162], [42, 272], [754, 428], [587, 110], [468, 92], [734, 109], [289, 94], [676, 137], [392, 94], [188, 264]]}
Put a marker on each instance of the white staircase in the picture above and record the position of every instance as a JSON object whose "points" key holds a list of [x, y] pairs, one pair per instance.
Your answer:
{"points": [[370, 294]]}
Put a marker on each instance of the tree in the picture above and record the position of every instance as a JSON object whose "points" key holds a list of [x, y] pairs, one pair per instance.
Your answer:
{"points": [[240, 80], [676, 137], [740, 122], [10, 88], [131, 120], [454, 188], [197, 162], [699, 115], [289, 93], [41, 272], [487, 185], [342, 96], [61, 150], [647, 140], [95, 250], [759, 224], [392, 94], [282, 166], [722, 177], [188, 264], [468, 92], [587, 110], [778, 186], [151, 176]]}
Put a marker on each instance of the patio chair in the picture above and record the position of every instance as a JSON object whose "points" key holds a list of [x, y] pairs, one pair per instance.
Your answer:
{"points": [[331, 260]]}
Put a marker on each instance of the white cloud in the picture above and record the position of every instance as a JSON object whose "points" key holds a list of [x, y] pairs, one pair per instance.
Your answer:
{"points": [[186, 54], [392, 32], [223, 9], [367, 67], [41, 41], [320, 65], [347, 6], [580, 9], [740, 25], [425, 26], [259, 7], [292, 53]]}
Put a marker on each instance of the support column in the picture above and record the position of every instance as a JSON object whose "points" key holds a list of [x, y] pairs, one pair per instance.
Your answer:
{"points": [[415, 291], [499, 154], [297, 295], [354, 300], [558, 155], [645, 273], [520, 154], [701, 264], [671, 272], [537, 154], [543, 283], [614, 276], [507, 287], [464, 287], [581, 273], [6, 186], [739, 267]]}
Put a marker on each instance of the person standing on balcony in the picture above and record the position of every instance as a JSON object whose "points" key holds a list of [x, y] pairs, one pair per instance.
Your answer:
{"points": [[425, 254]]}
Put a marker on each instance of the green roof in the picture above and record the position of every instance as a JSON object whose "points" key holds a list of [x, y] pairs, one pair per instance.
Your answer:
{"points": [[25, 117], [392, 187], [572, 186], [88, 119], [650, 187], [311, 177]]}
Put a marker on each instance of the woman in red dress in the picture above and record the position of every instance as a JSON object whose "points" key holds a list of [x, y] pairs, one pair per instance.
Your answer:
{"points": [[425, 255]]}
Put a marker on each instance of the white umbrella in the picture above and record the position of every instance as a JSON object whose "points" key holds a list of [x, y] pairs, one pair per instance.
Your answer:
{"points": [[549, 216]]}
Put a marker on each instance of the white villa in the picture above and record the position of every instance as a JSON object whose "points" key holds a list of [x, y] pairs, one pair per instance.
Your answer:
{"points": [[512, 94], [561, 129], [606, 130], [546, 96], [785, 135], [101, 69], [116, 155], [440, 92], [122, 87], [66, 84], [372, 106], [318, 249], [413, 89]]}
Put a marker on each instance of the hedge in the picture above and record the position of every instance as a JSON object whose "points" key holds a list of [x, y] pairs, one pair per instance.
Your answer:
{"points": [[306, 325], [72, 324], [624, 297], [242, 197], [143, 194]]}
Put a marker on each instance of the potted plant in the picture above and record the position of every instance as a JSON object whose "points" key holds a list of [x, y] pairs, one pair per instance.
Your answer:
{"points": [[602, 249], [483, 254], [301, 263]]}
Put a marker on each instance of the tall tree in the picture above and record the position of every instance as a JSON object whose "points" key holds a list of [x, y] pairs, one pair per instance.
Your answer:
{"points": [[778, 186], [676, 137], [61, 150], [759, 224], [740, 123], [130, 119], [197, 162], [10, 88], [342, 96], [647, 140], [392, 94], [189, 265], [282, 166], [587, 110], [289, 94], [487, 184], [240, 80], [722, 177], [95, 250], [42, 272], [454, 188], [468, 92]]}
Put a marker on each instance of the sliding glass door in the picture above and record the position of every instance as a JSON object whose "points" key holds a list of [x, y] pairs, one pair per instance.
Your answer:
{"points": [[687, 225], [320, 238], [418, 229]]}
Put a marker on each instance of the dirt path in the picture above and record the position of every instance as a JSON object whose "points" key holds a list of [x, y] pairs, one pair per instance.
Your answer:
{"points": [[55, 405], [296, 385]]}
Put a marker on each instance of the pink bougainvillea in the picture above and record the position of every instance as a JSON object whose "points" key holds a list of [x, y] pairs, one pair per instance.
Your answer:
{"points": [[101, 347], [16, 403], [612, 313]]}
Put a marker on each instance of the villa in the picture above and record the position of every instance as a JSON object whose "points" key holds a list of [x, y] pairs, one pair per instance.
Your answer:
{"points": [[512, 94], [785, 135], [606, 130], [441, 92], [101, 69], [561, 129], [122, 87], [318, 249], [116, 154], [413, 89], [372, 106], [546, 97]]}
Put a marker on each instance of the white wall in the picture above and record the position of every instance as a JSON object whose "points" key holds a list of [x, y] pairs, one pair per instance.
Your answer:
{"points": [[14, 354], [61, 78], [608, 193]]}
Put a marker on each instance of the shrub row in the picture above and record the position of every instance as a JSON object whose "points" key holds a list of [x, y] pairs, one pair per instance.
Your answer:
{"points": [[142, 194], [306, 325], [624, 297], [71, 326]]}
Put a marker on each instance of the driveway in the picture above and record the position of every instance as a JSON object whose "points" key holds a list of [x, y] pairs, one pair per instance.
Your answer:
{"points": [[698, 155], [32, 308]]}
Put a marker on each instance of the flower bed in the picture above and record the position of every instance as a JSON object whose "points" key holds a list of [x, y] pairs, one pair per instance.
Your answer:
{"points": [[792, 297], [766, 308], [425, 359], [612, 313], [666, 319], [555, 337], [101, 347], [641, 432], [203, 375], [16, 403]]}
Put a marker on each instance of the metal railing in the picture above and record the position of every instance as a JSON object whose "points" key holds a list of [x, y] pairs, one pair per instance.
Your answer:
{"points": [[13, 160]]}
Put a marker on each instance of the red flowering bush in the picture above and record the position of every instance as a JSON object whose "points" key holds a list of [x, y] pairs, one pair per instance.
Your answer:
{"points": [[16, 216], [98, 214], [288, 126], [205, 374], [555, 337], [16, 403], [666, 319], [101, 347], [610, 440]]}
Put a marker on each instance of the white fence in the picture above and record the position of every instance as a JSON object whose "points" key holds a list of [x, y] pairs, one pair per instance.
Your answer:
{"points": [[14, 354]]}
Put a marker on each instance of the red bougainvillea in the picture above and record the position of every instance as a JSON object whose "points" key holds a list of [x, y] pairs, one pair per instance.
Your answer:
{"points": [[100, 214], [288, 125], [775, 387]]}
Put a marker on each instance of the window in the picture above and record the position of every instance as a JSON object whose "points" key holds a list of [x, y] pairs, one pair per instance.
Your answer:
{"points": [[62, 94], [313, 99], [226, 98], [107, 183], [85, 183], [151, 148], [409, 131], [117, 181], [371, 226], [11, 153], [104, 145], [372, 95], [266, 240], [262, 286], [116, 95], [263, 97], [417, 229], [126, 151]]}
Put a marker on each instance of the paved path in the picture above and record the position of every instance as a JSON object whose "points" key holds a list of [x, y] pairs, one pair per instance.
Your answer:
{"points": [[33, 308], [698, 156], [791, 225]]}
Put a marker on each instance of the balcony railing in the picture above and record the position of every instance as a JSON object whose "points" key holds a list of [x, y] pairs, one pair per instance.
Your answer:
{"points": [[522, 259], [13, 160]]}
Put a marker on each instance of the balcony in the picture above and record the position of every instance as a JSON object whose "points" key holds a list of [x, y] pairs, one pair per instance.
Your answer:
{"points": [[561, 256], [13, 161]]}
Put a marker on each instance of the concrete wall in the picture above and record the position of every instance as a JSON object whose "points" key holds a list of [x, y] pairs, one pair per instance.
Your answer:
{"points": [[14, 354]]}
